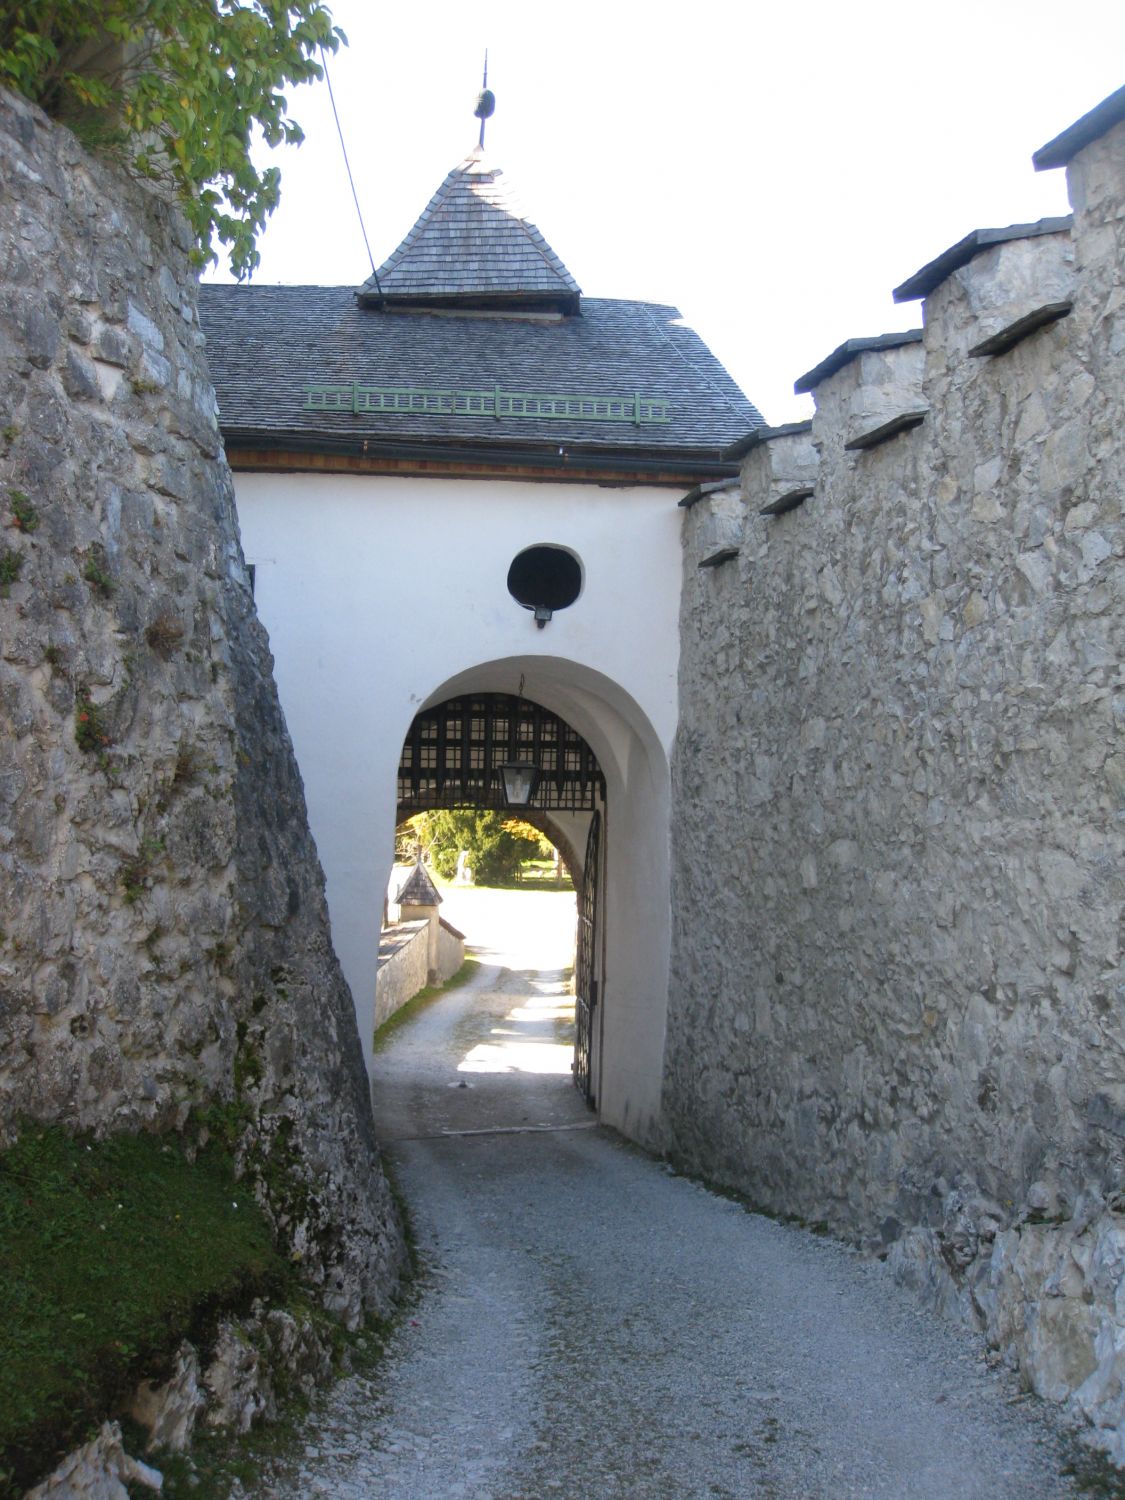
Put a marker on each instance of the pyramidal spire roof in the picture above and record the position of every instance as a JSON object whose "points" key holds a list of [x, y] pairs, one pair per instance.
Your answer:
{"points": [[473, 247], [418, 889]]}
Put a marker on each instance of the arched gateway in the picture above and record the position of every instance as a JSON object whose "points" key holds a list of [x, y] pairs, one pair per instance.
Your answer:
{"points": [[606, 768], [461, 479], [495, 751]]}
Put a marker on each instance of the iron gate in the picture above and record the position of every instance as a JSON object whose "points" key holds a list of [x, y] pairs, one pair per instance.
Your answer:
{"points": [[585, 984], [453, 753]]}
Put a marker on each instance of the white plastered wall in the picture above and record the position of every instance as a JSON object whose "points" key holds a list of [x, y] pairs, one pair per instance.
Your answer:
{"points": [[383, 595]]}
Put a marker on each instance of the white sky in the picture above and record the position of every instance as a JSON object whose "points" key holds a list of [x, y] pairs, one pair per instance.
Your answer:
{"points": [[772, 170]]}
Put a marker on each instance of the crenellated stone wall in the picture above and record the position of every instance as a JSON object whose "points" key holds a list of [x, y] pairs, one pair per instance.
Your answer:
{"points": [[165, 943], [897, 1002]]}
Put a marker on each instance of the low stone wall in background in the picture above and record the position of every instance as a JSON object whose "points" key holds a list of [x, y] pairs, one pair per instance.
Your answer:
{"points": [[450, 950], [411, 956], [403, 967]]}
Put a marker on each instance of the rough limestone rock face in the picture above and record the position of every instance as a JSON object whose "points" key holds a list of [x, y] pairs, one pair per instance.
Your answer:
{"points": [[251, 1363], [170, 1410], [99, 1470], [897, 999], [165, 939], [255, 1357], [1049, 1297]]}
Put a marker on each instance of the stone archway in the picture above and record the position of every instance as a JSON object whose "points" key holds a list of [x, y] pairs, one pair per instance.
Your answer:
{"points": [[454, 757], [633, 951]]}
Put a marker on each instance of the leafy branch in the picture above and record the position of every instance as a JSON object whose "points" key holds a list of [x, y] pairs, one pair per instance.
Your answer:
{"points": [[174, 90]]}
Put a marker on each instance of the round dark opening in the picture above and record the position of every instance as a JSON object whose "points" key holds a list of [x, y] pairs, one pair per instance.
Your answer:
{"points": [[545, 578]]}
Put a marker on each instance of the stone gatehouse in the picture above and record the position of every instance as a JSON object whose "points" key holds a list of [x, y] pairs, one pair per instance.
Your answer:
{"points": [[850, 684], [844, 697]]}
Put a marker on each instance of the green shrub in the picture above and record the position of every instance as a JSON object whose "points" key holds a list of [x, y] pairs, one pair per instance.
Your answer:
{"points": [[11, 563], [24, 515], [90, 732], [496, 849], [97, 574]]}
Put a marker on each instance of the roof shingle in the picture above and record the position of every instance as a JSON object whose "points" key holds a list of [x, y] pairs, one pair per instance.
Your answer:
{"points": [[473, 242], [266, 345]]}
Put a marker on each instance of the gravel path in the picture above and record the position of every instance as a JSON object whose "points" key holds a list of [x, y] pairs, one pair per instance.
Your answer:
{"points": [[593, 1325]]}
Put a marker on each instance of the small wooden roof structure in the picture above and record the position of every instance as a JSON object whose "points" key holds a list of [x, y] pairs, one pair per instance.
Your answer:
{"points": [[473, 246], [418, 889]]}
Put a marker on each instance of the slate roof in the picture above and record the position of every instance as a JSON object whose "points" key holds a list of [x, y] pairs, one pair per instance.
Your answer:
{"points": [[1094, 123], [473, 242], [266, 344], [923, 282], [418, 889]]}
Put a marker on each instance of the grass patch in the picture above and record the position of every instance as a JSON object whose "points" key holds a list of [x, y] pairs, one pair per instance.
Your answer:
{"points": [[540, 874], [525, 879], [431, 992], [10, 564], [111, 1252], [216, 1460]]}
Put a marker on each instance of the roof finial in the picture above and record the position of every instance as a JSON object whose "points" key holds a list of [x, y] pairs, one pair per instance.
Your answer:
{"points": [[486, 101]]}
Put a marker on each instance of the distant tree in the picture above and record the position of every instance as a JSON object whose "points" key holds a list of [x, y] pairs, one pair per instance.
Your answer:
{"points": [[173, 90], [495, 850], [529, 831], [408, 837]]}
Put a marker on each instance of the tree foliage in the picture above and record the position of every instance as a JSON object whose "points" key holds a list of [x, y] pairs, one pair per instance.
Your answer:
{"points": [[173, 89], [495, 844]]}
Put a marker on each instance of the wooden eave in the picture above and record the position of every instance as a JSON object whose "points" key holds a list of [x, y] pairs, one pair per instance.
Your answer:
{"points": [[563, 304], [617, 470]]}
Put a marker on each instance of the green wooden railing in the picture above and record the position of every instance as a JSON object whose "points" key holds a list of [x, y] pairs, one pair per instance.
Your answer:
{"points": [[413, 400]]}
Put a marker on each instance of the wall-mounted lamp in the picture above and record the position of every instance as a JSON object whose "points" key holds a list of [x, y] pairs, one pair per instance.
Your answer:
{"points": [[520, 781], [544, 579]]}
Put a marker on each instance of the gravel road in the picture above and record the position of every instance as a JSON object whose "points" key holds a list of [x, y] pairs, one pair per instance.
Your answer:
{"points": [[592, 1325]]}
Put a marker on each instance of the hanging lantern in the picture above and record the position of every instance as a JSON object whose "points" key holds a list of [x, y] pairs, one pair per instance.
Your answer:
{"points": [[520, 780]]}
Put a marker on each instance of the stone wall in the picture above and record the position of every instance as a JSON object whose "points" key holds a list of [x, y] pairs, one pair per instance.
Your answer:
{"points": [[404, 964], [165, 942], [450, 950], [412, 955], [896, 999]]}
